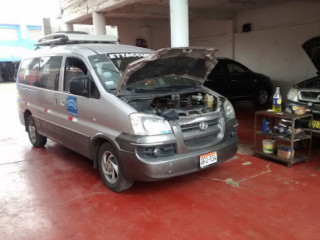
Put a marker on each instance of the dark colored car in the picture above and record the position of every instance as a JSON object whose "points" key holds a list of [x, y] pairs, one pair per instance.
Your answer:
{"points": [[307, 93], [237, 82]]}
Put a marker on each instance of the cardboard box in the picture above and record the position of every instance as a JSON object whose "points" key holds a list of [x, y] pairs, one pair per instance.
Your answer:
{"points": [[285, 151]]}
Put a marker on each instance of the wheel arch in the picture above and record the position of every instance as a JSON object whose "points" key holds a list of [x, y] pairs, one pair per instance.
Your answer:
{"points": [[26, 114], [95, 144]]}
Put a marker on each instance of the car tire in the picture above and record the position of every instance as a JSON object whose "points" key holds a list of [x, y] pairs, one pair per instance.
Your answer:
{"points": [[111, 170], [36, 139], [262, 97]]}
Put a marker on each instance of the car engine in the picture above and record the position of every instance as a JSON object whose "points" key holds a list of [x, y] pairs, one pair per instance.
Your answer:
{"points": [[173, 106]]}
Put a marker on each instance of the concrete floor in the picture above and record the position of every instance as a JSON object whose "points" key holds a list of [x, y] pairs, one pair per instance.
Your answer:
{"points": [[53, 193]]}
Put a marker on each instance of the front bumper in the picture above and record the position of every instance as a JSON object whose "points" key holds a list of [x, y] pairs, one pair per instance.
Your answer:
{"points": [[310, 108], [144, 169]]}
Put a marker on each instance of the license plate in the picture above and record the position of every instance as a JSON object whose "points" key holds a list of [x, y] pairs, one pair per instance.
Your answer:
{"points": [[316, 124], [207, 159]]}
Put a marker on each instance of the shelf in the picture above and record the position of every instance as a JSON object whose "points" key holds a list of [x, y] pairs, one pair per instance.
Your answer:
{"points": [[291, 138], [296, 159], [297, 137], [291, 116]]}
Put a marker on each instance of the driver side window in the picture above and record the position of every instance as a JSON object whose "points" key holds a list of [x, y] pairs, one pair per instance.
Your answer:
{"points": [[74, 68]]}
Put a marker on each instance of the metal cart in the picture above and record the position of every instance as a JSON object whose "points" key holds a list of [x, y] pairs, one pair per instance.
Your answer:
{"points": [[291, 138]]}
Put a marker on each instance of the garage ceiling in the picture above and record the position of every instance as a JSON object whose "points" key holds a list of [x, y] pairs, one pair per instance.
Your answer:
{"points": [[80, 11]]}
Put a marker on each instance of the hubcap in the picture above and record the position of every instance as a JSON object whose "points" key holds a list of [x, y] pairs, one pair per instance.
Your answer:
{"points": [[109, 167], [32, 131]]}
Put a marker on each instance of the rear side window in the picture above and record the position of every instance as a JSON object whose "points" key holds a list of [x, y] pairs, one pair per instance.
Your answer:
{"points": [[50, 72], [220, 68], [29, 72], [236, 68], [41, 72]]}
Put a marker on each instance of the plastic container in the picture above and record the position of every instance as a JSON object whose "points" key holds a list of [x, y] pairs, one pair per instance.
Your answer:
{"points": [[285, 151], [265, 125], [208, 100], [268, 145], [277, 101]]}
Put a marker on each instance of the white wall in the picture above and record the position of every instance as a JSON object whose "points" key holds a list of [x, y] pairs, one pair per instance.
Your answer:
{"points": [[273, 47], [157, 33], [213, 33], [57, 26]]}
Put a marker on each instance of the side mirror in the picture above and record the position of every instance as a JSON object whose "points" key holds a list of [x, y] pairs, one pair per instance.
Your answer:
{"points": [[80, 86]]}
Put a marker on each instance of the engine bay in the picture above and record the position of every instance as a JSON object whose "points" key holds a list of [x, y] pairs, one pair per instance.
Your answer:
{"points": [[173, 106]]}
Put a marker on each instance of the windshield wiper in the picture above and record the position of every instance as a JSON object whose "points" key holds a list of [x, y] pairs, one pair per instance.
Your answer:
{"points": [[140, 90], [161, 89], [107, 69], [174, 87]]}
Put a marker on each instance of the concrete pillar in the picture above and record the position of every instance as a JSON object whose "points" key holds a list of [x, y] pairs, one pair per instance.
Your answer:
{"points": [[179, 22], [68, 27], [99, 23], [24, 31], [46, 26]]}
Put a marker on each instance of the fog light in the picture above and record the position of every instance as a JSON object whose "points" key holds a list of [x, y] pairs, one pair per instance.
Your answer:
{"points": [[157, 151]]}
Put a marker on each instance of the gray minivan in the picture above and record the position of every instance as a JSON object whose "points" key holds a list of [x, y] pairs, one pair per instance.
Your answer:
{"points": [[137, 114]]}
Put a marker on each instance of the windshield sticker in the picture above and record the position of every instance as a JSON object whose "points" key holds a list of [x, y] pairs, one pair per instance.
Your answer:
{"points": [[127, 55], [107, 74], [108, 83], [72, 105]]}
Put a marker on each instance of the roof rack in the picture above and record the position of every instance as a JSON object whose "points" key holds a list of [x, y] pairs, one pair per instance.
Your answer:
{"points": [[75, 38]]}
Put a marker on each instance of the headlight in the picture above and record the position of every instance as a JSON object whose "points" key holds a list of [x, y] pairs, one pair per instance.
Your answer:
{"points": [[293, 94], [228, 109], [144, 124]]}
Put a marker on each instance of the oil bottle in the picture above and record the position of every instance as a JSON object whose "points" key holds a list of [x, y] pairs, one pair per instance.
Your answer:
{"points": [[277, 101]]}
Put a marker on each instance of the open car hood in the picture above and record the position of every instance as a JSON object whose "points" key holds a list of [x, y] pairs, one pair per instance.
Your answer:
{"points": [[193, 62], [312, 48]]}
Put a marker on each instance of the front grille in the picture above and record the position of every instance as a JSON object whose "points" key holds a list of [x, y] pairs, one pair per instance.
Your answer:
{"points": [[195, 126], [310, 95], [194, 137], [197, 142]]}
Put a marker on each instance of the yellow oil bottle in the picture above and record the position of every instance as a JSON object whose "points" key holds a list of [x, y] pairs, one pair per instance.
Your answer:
{"points": [[277, 101]]}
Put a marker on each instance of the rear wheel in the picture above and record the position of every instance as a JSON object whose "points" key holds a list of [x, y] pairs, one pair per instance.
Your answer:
{"points": [[111, 170], [262, 97], [36, 139]]}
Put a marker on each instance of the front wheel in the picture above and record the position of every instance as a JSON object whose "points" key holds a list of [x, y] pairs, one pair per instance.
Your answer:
{"points": [[111, 170], [262, 97], [36, 139]]}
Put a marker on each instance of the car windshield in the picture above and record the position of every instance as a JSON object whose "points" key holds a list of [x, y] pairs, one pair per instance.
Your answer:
{"points": [[109, 68], [164, 83], [122, 60], [310, 83]]}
